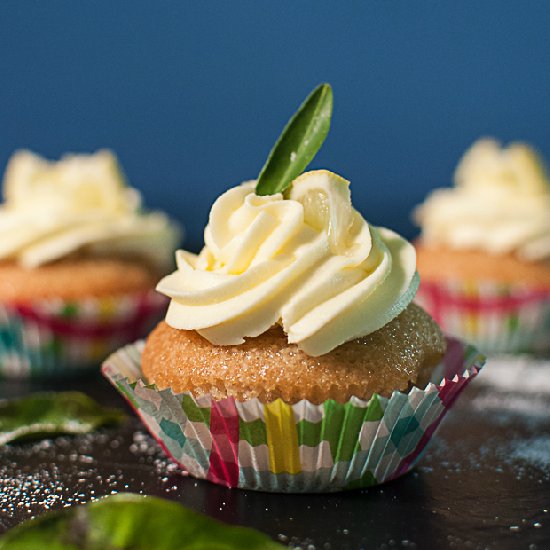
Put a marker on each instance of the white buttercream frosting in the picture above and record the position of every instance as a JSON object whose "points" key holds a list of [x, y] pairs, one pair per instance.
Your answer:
{"points": [[309, 262], [53, 209], [500, 204]]}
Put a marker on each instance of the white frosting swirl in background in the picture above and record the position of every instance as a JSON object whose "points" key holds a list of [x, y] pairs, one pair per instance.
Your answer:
{"points": [[501, 204], [309, 262], [53, 209]]}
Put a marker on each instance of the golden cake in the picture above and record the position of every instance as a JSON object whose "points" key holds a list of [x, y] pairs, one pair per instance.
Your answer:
{"points": [[74, 279], [401, 354]]}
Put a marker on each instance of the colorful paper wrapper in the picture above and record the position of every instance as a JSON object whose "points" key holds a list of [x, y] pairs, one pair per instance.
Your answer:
{"points": [[497, 318], [59, 337], [294, 448]]}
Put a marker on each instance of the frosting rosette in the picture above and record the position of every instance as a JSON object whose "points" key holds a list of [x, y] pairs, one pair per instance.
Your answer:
{"points": [[308, 261], [80, 203], [500, 204]]}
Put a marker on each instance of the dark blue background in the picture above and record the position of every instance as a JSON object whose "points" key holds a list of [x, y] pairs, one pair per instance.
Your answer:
{"points": [[192, 95]]}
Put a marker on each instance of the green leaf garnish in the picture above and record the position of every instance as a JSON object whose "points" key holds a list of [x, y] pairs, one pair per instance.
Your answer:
{"points": [[128, 521], [46, 414], [302, 137]]}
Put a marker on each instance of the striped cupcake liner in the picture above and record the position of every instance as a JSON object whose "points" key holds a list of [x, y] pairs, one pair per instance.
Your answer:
{"points": [[497, 318], [59, 337], [294, 448]]}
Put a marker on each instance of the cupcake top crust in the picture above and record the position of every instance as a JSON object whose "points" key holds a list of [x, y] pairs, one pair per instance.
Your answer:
{"points": [[79, 205], [305, 259], [500, 204]]}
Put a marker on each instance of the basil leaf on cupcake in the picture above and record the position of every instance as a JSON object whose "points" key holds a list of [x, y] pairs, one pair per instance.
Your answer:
{"points": [[128, 521], [299, 142], [43, 415]]}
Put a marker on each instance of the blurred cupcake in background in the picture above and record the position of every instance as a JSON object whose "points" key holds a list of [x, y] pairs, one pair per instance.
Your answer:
{"points": [[484, 250], [79, 260]]}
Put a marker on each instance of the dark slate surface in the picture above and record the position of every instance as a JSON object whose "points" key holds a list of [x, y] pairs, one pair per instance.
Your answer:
{"points": [[483, 483]]}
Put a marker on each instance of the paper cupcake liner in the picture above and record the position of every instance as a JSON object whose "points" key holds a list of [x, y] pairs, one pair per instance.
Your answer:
{"points": [[497, 318], [58, 337], [294, 448]]}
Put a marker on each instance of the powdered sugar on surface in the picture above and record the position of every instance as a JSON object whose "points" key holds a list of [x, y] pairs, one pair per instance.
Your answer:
{"points": [[517, 374], [484, 481], [60, 472]]}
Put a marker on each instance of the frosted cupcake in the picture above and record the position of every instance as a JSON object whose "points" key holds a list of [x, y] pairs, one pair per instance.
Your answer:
{"points": [[79, 260], [484, 250], [291, 357], [320, 297]]}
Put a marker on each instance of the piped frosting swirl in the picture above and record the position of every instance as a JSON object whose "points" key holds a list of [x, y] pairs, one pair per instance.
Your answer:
{"points": [[309, 262]]}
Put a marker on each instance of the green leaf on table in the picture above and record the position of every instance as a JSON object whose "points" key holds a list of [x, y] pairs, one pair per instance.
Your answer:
{"points": [[127, 521], [43, 415], [302, 137]]}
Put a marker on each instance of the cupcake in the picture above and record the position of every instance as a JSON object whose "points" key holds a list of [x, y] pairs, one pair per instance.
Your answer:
{"points": [[79, 260], [291, 358], [484, 250]]}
